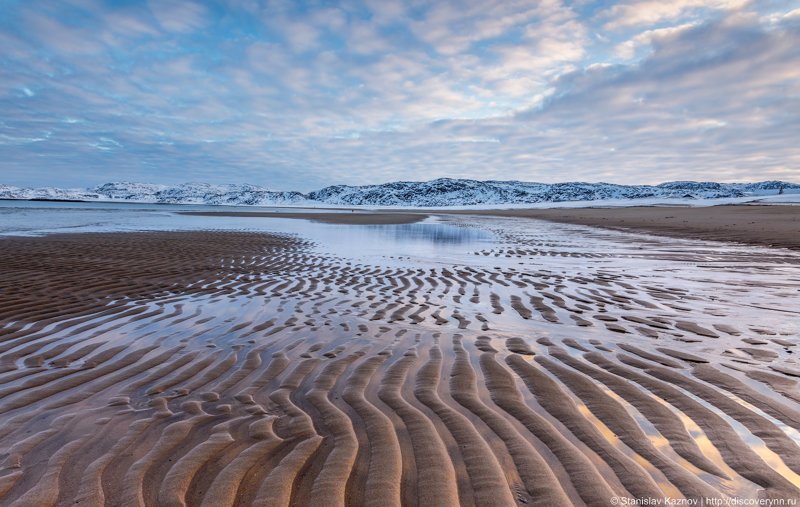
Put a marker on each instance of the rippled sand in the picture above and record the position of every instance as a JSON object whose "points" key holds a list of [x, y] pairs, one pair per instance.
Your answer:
{"points": [[558, 365]]}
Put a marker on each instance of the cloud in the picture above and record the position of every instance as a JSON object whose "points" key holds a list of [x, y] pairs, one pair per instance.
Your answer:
{"points": [[629, 48], [296, 96], [650, 12], [179, 15]]}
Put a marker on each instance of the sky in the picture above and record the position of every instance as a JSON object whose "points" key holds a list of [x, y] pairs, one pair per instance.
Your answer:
{"points": [[297, 95]]}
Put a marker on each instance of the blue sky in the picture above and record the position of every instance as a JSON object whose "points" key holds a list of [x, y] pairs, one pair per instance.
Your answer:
{"points": [[299, 95]]}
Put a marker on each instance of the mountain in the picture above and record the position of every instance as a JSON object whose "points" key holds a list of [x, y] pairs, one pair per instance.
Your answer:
{"points": [[197, 193], [435, 193], [48, 193], [187, 193], [460, 192]]}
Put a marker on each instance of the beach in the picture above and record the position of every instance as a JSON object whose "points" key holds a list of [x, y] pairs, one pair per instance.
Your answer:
{"points": [[486, 358], [772, 225], [767, 225]]}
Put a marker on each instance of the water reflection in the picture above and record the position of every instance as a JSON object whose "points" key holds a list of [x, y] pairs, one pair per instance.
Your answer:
{"points": [[436, 232], [430, 240], [433, 238]]}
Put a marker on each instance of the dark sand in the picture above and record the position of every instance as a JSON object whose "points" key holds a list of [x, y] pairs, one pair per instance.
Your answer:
{"points": [[223, 368], [773, 225]]}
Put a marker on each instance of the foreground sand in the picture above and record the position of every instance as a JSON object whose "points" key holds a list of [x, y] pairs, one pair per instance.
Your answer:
{"points": [[223, 368]]}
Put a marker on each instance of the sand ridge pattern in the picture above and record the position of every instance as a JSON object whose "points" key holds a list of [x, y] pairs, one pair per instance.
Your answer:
{"points": [[234, 368]]}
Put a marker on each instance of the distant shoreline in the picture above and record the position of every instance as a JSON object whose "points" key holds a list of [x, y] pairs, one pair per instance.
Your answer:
{"points": [[41, 199], [772, 225], [353, 218], [763, 225]]}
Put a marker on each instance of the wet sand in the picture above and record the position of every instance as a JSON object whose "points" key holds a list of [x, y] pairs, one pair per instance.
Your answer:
{"points": [[232, 368], [765, 225], [773, 225]]}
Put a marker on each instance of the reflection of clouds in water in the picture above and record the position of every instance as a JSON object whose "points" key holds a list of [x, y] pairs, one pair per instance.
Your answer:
{"points": [[432, 239], [429, 232]]}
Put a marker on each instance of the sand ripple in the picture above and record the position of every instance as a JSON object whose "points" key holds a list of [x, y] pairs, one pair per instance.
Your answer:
{"points": [[225, 368]]}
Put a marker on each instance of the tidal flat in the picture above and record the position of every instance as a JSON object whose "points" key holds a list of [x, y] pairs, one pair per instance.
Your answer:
{"points": [[153, 358]]}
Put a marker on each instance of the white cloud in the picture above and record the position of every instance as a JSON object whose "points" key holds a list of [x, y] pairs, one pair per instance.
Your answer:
{"points": [[179, 15], [373, 91], [650, 12], [629, 48], [61, 38]]}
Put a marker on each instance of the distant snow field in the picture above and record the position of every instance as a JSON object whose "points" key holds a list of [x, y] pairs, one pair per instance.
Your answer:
{"points": [[444, 192]]}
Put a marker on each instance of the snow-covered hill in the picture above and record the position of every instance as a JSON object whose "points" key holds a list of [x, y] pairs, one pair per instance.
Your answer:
{"points": [[458, 192], [187, 193], [435, 193], [198, 193], [59, 194]]}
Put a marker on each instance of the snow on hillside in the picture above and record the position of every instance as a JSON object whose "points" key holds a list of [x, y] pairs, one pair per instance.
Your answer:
{"points": [[442, 192], [198, 193], [452, 192], [61, 194], [126, 191]]}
